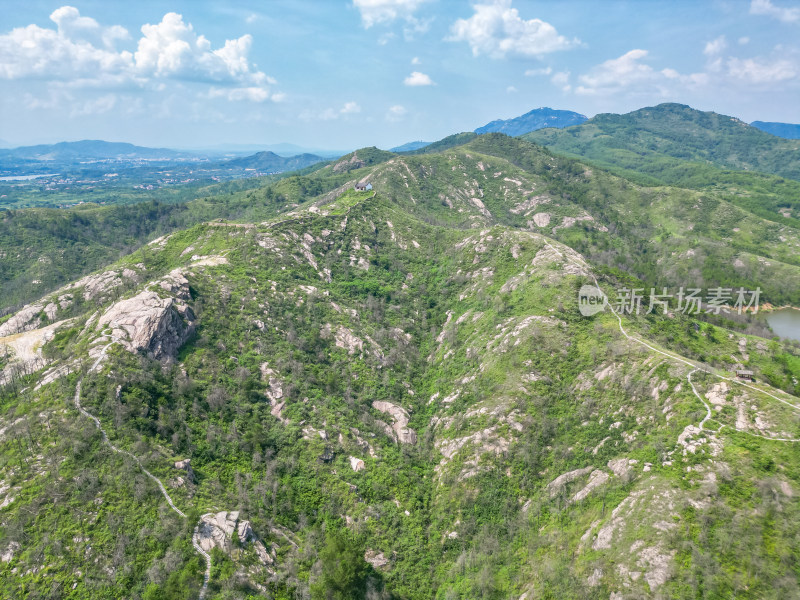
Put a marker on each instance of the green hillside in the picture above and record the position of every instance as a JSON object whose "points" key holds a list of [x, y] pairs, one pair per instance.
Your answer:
{"points": [[393, 394], [401, 381], [661, 138]]}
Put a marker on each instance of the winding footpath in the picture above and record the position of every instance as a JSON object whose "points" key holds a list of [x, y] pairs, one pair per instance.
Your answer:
{"points": [[695, 367], [159, 483]]}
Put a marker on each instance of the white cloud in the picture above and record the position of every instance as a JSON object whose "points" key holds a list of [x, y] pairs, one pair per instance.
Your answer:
{"points": [[350, 108], [760, 70], [561, 79], [386, 11], [253, 93], [396, 112], [511, 90], [330, 114], [100, 105], [71, 25], [536, 72], [628, 73], [81, 53], [36, 52], [418, 79], [716, 46], [497, 30], [744, 40], [767, 8], [616, 73], [416, 61]]}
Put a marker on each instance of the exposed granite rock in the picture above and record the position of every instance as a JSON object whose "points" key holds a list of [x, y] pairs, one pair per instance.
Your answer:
{"points": [[555, 486], [402, 432], [8, 554], [376, 559], [186, 465], [151, 324], [217, 530], [26, 319]]}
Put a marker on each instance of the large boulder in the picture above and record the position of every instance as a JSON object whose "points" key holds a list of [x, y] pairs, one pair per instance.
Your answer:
{"points": [[399, 430], [150, 324]]}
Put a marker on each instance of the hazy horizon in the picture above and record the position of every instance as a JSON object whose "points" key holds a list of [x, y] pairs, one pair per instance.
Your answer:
{"points": [[355, 73]]}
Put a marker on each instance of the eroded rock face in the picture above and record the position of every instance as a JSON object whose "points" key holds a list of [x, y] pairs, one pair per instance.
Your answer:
{"points": [[217, 530], [402, 432], [376, 559], [151, 324], [344, 166], [26, 319], [555, 486]]}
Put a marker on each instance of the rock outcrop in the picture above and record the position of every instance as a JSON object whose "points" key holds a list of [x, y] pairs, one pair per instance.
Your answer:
{"points": [[186, 465], [399, 430], [217, 530], [26, 319], [150, 324]]}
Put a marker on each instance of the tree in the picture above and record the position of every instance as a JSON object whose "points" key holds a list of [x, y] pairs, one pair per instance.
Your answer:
{"points": [[344, 570]]}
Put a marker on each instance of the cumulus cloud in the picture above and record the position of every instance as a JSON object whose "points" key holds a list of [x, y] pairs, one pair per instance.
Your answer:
{"points": [[71, 25], [418, 79], [616, 72], [767, 8], [416, 61], [386, 11], [537, 72], [497, 30], [630, 73], [715, 46], [350, 108], [330, 114], [396, 112], [81, 52], [100, 105], [762, 70], [561, 79]]}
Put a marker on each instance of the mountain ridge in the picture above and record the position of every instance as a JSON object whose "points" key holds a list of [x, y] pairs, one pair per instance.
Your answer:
{"points": [[789, 131], [538, 118], [394, 394]]}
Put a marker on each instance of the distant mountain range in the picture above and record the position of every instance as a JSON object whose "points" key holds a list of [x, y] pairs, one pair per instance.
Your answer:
{"points": [[90, 150], [409, 147], [97, 155], [662, 140], [269, 161], [539, 118], [281, 149], [531, 121], [789, 131]]}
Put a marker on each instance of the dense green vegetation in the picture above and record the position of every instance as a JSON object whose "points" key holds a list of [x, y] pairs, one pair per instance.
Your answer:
{"points": [[673, 134], [398, 393]]}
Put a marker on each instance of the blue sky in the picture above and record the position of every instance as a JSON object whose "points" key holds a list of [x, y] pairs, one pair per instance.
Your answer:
{"points": [[340, 74]]}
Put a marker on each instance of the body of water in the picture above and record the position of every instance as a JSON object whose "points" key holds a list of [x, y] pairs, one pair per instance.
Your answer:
{"points": [[785, 322], [26, 177]]}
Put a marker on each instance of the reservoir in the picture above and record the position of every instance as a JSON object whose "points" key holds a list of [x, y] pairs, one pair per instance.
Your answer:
{"points": [[785, 322]]}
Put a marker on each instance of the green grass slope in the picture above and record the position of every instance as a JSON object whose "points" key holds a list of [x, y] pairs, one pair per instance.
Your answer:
{"points": [[509, 447], [672, 133]]}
